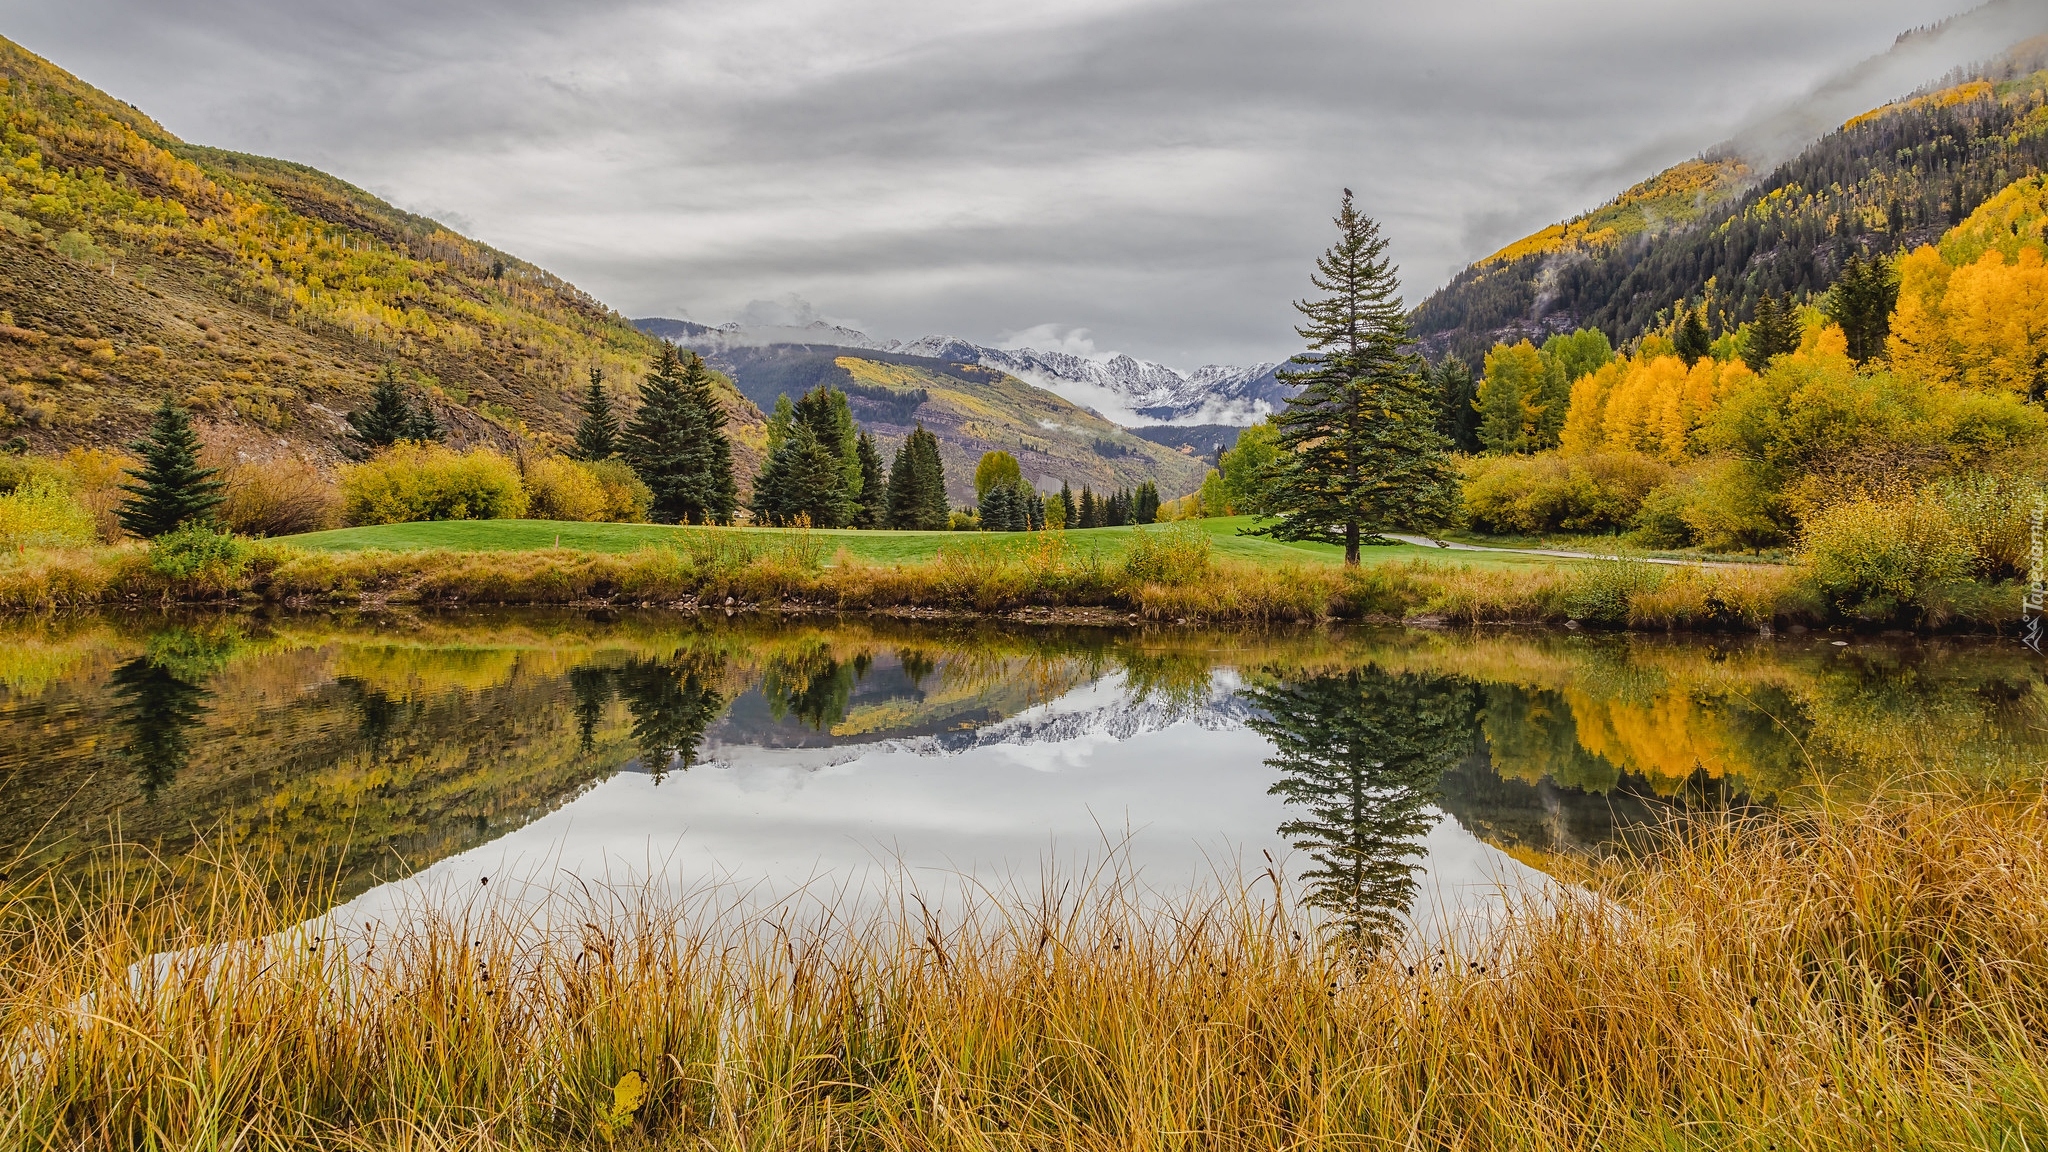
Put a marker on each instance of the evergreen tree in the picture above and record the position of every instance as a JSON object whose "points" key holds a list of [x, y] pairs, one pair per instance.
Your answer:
{"points": [[1861, 302], [676, 443], [1691, 339], [811, 686], [871, 509], [802, 481], [388, 418], [917, 484], [1363, 451], [1773, 333], [1147, 509], [426, 427], [171, 488], [1034, 509], [998, 509], [597, 434], [825, 411], [1457, 390], [1361, 753], [1070, 515], [1091, 515], [1117, 514]]}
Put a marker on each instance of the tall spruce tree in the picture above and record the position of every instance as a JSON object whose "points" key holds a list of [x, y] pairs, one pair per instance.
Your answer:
{"points": [[801, 482], [1861, 301], [871, 507], [676, 443], [1070, 513], [1146, 510], [1090, 510], [1774, 332], [999, 508], [1363, 453], [1457, 391], [597, 434], [825, 410], [171, 488], [1690, 339], [917, 484]]}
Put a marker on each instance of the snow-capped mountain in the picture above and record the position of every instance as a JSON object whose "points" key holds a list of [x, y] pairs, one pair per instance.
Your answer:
{"points": [[1120, 388]]}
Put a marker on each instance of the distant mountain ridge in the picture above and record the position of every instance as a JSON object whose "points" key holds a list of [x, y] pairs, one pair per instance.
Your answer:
{"points": [[1122, 389]]}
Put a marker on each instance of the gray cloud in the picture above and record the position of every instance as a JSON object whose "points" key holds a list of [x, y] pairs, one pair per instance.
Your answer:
{"points": [[1157, 172]]}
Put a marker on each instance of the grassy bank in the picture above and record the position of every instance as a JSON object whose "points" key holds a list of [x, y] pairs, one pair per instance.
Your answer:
{"points": [[1188, 571], [1168, 573], [1226, 541], [1853, 978]]}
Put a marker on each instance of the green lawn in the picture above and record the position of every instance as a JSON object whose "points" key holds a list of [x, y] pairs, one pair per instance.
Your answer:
{"points": [[881, 547]]}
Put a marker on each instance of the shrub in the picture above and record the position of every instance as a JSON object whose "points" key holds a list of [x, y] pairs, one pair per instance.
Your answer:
{"points": [[278, 498], [1601, 593], [1595, 492], [411, 481], [1877, 560], [198, 559], [1722, 505], [1175, 555], [95, 476], [1994, 512], [41, 513], [626, 497], [558, 488]]}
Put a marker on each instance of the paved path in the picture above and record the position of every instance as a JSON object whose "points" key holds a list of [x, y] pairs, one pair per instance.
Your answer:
{"points": [[1454, 546]]}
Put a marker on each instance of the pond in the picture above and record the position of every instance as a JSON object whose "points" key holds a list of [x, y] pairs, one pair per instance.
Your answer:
{"points": [[1392, 776]]}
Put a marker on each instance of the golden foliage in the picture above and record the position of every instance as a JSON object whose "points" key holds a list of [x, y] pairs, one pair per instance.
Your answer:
{"points": [[1966, 93], [1654, 405], [1973, 311]]}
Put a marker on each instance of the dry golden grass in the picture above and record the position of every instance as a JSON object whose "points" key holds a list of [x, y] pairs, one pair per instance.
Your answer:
{"points": [[1857, 977], [1167, 574]]}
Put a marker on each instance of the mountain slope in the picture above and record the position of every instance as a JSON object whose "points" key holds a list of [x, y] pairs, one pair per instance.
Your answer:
{"points": [[971, 409], [1891, 179], [264, 293]]}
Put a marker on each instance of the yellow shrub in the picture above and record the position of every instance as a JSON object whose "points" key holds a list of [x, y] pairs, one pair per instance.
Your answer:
{"points": [[40, 513], [408, 482], [626, 497], [1881, 560], [558, 488]]}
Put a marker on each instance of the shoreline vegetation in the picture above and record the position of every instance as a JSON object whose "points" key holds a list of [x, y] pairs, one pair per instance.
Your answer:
{"points": [[1166, 573], [1843, 975]]}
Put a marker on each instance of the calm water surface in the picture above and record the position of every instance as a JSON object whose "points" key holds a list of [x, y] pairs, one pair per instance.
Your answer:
{"points": [[1389, 773]]}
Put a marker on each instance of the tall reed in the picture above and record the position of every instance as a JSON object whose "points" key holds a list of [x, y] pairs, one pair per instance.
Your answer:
{"points": [[1848, 977]]}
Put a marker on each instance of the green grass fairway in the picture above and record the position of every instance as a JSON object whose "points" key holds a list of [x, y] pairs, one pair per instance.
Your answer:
{"points": [[879, 547]]}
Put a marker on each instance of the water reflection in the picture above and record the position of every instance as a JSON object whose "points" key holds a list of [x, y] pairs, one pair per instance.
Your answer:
{"points": [[160, 698], [1360, 754], [375, 749], [672, 701]]}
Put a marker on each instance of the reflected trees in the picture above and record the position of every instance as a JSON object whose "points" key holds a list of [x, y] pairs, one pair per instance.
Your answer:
{"points": [[160, 697], [1360, 754], [672, 702]]}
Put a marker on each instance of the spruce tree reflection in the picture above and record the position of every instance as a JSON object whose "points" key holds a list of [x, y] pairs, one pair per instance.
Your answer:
{"points": [[592, 687], [1361, 754], [672, 702], [161, 698]]}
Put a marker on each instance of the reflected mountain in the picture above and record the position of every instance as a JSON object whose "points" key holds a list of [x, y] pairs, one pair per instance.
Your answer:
{"points": [[1360, 755]]}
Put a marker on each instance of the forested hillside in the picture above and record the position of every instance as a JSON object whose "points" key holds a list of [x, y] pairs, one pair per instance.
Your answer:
{"points": [[264, 294], [1888, 181]]}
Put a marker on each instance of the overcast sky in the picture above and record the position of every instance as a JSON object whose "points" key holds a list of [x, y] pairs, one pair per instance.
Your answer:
{"points": [[1148, 176]]}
